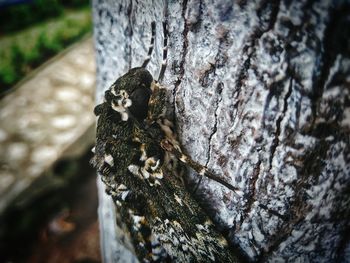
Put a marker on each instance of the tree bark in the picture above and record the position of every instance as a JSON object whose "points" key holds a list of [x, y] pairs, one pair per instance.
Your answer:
{"points": [[260, 93]]}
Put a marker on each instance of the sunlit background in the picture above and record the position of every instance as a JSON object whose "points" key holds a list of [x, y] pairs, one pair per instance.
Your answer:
{"points": [[48, 200]]}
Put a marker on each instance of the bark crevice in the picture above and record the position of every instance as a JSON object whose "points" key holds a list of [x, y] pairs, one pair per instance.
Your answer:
{"points": [[214, 129], [181, 70], [276, 140], [130, 32]]}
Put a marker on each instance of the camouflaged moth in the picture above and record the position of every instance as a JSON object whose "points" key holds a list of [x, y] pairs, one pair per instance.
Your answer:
{"points": [[136, 154]]}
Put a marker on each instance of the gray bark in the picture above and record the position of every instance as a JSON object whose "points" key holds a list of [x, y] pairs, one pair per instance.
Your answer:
{"points": [[261, 96]]}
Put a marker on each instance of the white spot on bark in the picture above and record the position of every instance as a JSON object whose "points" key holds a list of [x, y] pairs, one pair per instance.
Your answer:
{"points": [[258, 236]]}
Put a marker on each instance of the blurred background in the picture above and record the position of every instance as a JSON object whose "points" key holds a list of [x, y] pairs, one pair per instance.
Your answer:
{"points": [[48, 199]]}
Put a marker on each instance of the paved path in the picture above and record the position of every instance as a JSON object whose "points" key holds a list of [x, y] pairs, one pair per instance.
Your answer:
{"points": [[45, 118]]}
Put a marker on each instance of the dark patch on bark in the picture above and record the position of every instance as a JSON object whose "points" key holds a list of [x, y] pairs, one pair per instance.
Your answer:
{"points": [[206, 80], [344, 242], [222, 160], [242, 3], [335, 41], [196, 25], [225, 10], [251, 193]]}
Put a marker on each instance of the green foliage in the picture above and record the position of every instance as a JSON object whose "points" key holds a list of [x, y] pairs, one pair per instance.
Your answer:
{"points": [[24, 51], [18, 17]]}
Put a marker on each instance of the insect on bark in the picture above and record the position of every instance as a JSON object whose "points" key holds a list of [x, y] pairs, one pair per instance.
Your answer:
{"points": [[136, 153]]}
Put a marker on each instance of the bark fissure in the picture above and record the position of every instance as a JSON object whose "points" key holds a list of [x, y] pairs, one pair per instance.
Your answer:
{"points": [[299, 208], [276, 140], [256, 35], [252, 193], [183, 54], [130, 32], [254, 40], [220, 59], [314, 160], [215, 128]]}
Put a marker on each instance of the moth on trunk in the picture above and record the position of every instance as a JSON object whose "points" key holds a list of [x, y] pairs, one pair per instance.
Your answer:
{"points": [[137, 154]]}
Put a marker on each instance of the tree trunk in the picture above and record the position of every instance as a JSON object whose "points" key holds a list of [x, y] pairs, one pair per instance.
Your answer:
{"points": [[260, 93]]}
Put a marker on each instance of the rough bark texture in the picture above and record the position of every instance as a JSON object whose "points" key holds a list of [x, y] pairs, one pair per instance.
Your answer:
{"points": [[261, 96]]}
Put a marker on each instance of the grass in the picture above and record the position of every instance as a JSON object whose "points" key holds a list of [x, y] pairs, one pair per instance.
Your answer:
{"points": [[23, 51]]}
